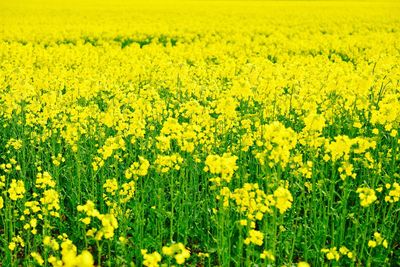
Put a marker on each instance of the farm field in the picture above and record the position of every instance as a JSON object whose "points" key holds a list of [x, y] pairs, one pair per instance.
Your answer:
{"points": [[199, 133]]}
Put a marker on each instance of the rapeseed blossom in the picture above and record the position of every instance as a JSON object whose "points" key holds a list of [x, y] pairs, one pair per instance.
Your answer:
{"points": [[367, 196], [151, 260], [16, 190], [283, 199], [178, 251]]}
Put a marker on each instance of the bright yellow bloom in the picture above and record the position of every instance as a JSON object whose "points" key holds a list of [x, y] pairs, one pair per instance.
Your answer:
{"points": [[331, 254], [377, 241], [367, 196], [16, 190], [70, 258], [178, 251], [394, 193], [267, 254], [224, 166], [36, 256], [283, 199], [151, 260], [255, 237], [371, 243], [303, 264]]}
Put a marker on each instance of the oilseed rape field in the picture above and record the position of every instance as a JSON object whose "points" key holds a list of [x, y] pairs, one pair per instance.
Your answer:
{"points": [[199, 133]]}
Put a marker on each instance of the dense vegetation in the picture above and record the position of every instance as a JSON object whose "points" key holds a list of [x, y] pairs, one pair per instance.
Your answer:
{"points": [[199, 133]]}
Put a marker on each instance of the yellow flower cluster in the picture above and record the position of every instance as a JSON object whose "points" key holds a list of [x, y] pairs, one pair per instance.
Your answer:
{"points": [[44, 205], [255, 237], [38, 258], [70, 258], [106, 151], [165, 163], [50, 203], [16, 241], [283, 199], [16, 190], [178, 251], [137, 169], [116, 193], [267, 254], [394, 192], [254, 203], [367, 196], [185, 135], [249, 200], [14, 143], [151, 259], [377, 241], [50, 242], [224, 166], [334, 254], [10, 166], [276, 142], [57, 160], [108, 221]]}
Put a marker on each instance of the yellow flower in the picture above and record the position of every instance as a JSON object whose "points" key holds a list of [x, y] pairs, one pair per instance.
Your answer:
{"points": [[50, 242], [14, 143], [165, 163], [43, 180], [16, 190], [224, 166], [138, 169], [151, 260], [331, 254], [111, 185], [54, 262], [50, 202], [367, 196], [255, 237], [85, 259], [267, 254], [303, 264], [394, 193], [343, 250], [314, 123], [378, 240], [109, 223], [169, 251], [36, 256], [371, 243], [11, 246], [180, 258], [283, 199], [89, 209], [385, 243], [178, 251], [350, 255], [85, 220]]}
